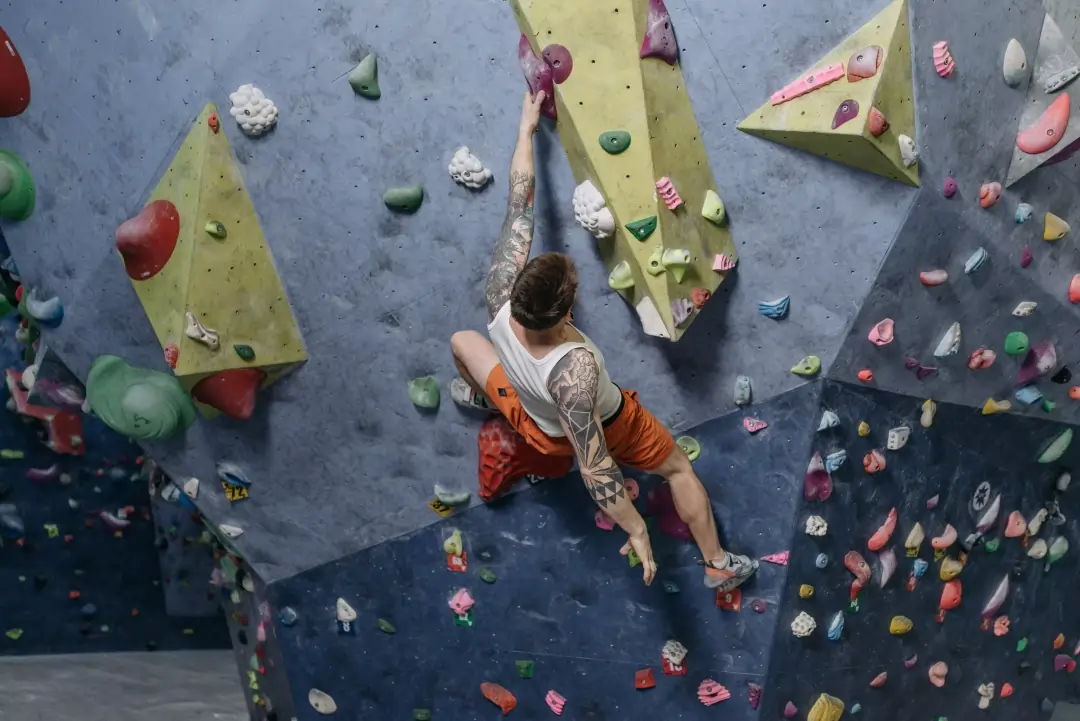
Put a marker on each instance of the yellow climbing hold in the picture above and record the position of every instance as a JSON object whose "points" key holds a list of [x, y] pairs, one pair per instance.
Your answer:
{"points": [[899, 625], [806, 591], [950, 568], [1055, 228], [991, 407], [808, 366], [929, 410], [454, 545], [826, 708], [864, 429]]}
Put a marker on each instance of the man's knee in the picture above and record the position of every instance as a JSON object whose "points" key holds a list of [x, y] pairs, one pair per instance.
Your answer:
{"points": [[461, 341]]}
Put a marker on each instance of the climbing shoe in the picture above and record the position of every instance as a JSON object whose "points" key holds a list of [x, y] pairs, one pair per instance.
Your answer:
{"points": [[729, 574], [464, 395]]}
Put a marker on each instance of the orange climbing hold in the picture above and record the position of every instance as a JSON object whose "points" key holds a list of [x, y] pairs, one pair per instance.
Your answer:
{"points": [[1047, 131], [213, 122], [1001, 625], [873, 461], [499, 696], [951, 595], [644, 679], [231, 391], [1074, 393], [866, 375], [1059, 641], [884, 533], [1074, 289]]}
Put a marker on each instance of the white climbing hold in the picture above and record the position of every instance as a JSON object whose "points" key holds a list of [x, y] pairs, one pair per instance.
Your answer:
{"points": [[1025, 308], [191, 487], [674, 652], [254, 112], [198, 332], [986, 695], [898, 438], [321, 702], [468, 170], [591, 211], [829, 419], [231, 531], [816, 526], [1037, 521], [908, 151], [651, 322], [1014, 68], [803, 625], [1038, 549], [975, 261], [1063, 481], [450, 497], [345, 612], [950, 342]]}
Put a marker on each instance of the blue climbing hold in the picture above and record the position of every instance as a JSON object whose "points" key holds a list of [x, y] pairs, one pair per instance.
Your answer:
{"points": [[48, 312], [670, 587], [775, 309], [232, 474], [836, 626], [1028, 395], [856, 708], [919, 568], [821, 561], [1024, 211], [89, 610], [287, 616], [834, 460]]}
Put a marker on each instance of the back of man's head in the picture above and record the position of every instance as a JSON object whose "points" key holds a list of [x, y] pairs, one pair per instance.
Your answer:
{"points": [[544, 291]]}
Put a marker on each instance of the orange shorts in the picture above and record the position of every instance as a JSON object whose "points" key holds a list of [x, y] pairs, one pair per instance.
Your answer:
{"points": [[634, 436]]}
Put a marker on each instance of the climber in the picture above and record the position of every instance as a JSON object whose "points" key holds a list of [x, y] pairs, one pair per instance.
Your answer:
{"points": [[550, 382]]}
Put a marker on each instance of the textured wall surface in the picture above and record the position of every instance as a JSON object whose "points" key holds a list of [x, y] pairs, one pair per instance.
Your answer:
{"points": [[961, 450]]}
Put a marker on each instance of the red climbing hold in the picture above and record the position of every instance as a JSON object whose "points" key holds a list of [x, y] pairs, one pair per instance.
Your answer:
{"points": [[506, 458], [232, 392], [172, 355], [729, 600], [884, 533], [14, 82], [1047, 131], [866, 375], [701, 297], [1006, 690], [499, 696], [147, 241], [1026, 257], [951, 595], [817, 485], [214, 123], [854, 562], [644, 679]]}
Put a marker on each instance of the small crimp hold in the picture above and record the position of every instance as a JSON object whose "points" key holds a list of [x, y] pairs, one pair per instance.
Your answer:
{"points": [[215, 229], [668, 194]]}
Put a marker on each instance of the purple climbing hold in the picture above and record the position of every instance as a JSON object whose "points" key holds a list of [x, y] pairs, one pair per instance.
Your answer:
{"points": [[911, 364], [848, 110], [681, 308], [537, 75], [817, 485], [911, 661], [950, 188], [662, 505], [559, 60], [753, 692], [757, 605], [790, 710], [1040, 360], [659, 39], [1025, 257], [924, 372]]}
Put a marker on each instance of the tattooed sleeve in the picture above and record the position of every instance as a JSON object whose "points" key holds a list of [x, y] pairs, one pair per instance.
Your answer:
{"points": [[512, 250], [573, 384]]}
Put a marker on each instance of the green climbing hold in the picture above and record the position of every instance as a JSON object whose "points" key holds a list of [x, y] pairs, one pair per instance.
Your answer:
{"points": [[524, 668], [404, 200], [9, 454], [245, 352], [1048, 405], [14, 633], [215, 229], [464, 620], [487, 575], [642, 229], [992, 545], [632, 557], [136, 402], [364, 78], [386, 627], [421, 714], [253, 662], [1057, 447], [689, 446], [808, 366], [621, 276], [615, 141], [1021, 645], [424, 392], [712, 209], [17, 203], [1016, 343]]}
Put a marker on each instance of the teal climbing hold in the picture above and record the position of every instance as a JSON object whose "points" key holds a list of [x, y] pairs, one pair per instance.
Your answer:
{"points": [[364, 78], [643, 228], [244, 351], [404, 200]]}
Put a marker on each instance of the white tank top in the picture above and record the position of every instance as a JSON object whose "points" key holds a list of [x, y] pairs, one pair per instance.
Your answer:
{"points": [[529, 375]]}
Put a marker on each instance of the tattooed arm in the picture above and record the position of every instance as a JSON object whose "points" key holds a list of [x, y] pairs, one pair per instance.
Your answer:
{"points": [[573, 385], [515, 239]]}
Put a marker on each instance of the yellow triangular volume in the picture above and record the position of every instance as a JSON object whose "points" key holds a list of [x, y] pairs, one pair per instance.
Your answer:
{"points": [[805, 122]]}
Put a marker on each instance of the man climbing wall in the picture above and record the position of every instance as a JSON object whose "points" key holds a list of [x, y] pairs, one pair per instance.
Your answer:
{"points": [[550, 382]]}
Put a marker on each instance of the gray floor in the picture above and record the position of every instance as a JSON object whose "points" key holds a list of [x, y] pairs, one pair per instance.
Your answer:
{"points": [[182, 686]]}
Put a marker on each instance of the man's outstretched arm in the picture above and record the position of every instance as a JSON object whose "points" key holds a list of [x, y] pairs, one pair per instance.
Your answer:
{"points": [[573, 383], [515, 239]]}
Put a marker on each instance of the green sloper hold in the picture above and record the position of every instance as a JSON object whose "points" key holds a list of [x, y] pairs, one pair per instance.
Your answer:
{"points": [[1016, 343], [1057, 447], [487, 575], [137, 402], [421, 714], [615, 141], [404, 200], [524, 668], [712, 209], [808, 366], [245, 352], [642, 229], [17, 203], [689, 446], [1022, 645], [364, 78], [424, 392], [621, 277], [385, 626]]}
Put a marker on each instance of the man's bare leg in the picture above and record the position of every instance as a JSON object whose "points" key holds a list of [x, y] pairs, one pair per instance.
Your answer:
{"points": [[474, 357], [692, 505]]}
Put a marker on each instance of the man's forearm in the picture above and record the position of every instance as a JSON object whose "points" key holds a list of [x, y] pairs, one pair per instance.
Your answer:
{"points": [[515, 239]]}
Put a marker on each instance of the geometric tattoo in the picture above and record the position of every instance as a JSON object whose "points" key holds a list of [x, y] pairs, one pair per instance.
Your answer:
{"points": [[573, 384], [515, 240]]}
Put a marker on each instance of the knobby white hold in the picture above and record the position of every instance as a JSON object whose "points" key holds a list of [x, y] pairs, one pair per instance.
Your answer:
{"points": [[197, 331], [908, 150], [468, 170], [674, 652], [591, 211], [803, 625], [816, 526], [254, 112]]}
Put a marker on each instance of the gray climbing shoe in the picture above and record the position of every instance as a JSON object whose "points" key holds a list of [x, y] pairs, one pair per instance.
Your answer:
{"points": [[464, 395], [729, 574]]}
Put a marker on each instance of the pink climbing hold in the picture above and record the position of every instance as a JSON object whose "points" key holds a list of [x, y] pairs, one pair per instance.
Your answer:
{"points": [[461, 602], [668, 194], [39, 475], [661, 505], [1047, 131], [810, 82], [848, 110], [879, 680], [911, 661], [981, 358], [753, 694], [864, 63], [932, 502], [943, 59], [1016, 525], [1026, 257], [172, 355], [780, 559], [874, 461], [603, 521], [555, 702], [538, 76], [722, 263], [710, 693], [882, 332], [1063, 662], [817, 486], [632, 489], [854, 562], [559, 60], [790, 710], [753, 425], [659, 41], [950, 188], [933, 278]]}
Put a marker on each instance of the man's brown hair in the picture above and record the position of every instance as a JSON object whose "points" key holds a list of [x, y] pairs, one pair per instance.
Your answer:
{"points": [[544, 291]]}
